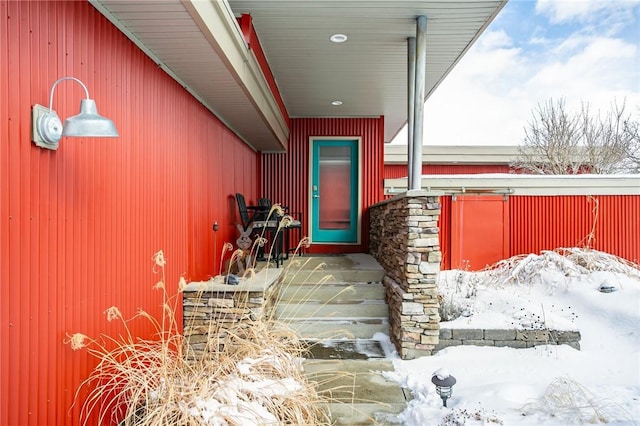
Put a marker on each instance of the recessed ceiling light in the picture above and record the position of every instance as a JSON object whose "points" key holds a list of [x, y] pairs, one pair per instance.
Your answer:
{"points": [[336, 103], [338, 38]]}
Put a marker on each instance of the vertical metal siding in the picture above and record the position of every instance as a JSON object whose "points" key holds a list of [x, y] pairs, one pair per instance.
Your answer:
{"points": [[285, 177], [78, 226], [444, 225], [548, 222], [395, 171], [539, 223]]}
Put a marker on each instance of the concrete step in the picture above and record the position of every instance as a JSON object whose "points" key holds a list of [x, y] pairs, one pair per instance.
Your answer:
{"points": [[364, 311], [360, 261], [293, 277], [332, 293], [357, 391], [332, 269], [328, 330], [349, 307], [344, 349], [365, 414]]}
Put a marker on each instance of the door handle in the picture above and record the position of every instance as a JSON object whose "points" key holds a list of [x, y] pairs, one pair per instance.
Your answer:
{"points": [[316, 196]]}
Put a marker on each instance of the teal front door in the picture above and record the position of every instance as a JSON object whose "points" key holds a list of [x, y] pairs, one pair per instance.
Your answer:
{"points": [[335, 190]]}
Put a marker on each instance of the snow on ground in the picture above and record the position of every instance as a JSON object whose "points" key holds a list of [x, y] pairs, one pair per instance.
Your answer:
{"points": [[545, 385]]}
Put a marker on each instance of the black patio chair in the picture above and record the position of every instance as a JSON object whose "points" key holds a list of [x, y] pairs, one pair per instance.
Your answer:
{"points": [[253, 216], [257, 219], [294, 225]]}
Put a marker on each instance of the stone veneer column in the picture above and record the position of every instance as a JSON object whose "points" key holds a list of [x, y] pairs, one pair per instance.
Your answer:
{"points": [[404, 240]]}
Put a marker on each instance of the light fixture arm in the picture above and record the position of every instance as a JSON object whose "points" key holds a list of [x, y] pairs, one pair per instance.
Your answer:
{"points": [[55, 83]]}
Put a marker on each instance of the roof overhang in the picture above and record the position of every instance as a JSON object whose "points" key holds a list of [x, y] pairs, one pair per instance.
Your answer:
{"points": [[200, 44]]}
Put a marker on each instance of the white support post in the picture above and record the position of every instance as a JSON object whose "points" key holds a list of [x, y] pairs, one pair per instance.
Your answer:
{"points": [[411, 80], [421, 63]]}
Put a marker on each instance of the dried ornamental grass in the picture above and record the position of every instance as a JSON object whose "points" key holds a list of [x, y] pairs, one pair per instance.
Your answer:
{"points": [[255, 380], [568, 400]]}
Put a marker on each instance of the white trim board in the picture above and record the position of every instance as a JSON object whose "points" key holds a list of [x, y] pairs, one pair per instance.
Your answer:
{"points": [[521, 184]]}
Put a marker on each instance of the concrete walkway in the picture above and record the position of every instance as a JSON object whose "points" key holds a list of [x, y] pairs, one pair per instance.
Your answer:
{"points": [[357, 391], [338, 308]]}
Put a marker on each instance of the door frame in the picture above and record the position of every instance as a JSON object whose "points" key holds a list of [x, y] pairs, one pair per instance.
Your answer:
{"points": [[358, 188]]}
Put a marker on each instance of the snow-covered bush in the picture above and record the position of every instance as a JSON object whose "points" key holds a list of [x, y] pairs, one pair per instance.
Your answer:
{"points": [[572, 403], [456, 293], [551, 268]]}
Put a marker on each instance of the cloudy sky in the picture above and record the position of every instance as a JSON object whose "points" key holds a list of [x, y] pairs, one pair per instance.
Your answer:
{"points": [[579, 50]]}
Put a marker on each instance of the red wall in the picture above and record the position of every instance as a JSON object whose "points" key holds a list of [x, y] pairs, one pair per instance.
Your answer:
{"points": [[444, 226], [395, 171], [78, 226], [537, 223], [286, 176]]}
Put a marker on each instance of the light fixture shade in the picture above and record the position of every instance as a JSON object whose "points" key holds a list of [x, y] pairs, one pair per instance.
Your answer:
{"points": [[89, 122]]}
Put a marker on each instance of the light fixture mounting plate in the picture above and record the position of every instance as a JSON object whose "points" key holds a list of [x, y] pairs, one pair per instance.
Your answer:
{"points": [[46, 129]]}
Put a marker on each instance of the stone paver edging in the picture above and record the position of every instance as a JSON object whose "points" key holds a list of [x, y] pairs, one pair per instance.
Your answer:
{"points": [[506, 337]]}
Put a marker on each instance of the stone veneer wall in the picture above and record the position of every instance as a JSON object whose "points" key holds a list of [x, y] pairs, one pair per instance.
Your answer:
{"points": [[210, 309], [404, 241]]}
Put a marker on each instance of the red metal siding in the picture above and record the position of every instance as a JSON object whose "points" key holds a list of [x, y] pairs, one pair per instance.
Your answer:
{"points": [[548, 222], [78, 226], [395, 171], [286, 176], [444, 226]]}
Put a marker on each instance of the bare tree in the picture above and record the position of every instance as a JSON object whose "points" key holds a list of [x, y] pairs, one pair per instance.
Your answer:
{"points": [[559, 143]]}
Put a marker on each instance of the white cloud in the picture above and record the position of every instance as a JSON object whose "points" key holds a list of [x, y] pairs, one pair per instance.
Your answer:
{"points": [[494, 39], [489, 56], [583, 11], [490, 95], [601, 63]]}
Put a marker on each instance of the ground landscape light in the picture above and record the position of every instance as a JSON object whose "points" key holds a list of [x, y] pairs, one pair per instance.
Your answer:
{"points": [[338, 38], [336, 103], [444, 384], [47, 129]]}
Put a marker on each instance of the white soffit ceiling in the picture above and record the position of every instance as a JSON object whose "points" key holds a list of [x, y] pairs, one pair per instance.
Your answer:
{"points": [[368, 72]]}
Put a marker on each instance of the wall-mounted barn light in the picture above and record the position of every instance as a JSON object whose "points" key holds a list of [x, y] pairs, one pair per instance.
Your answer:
{"points": [[47, 129]]}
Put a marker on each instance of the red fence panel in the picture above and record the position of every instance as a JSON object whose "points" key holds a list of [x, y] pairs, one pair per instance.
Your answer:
{"points": [[479, 231], [548, 222], [610, 223]]}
